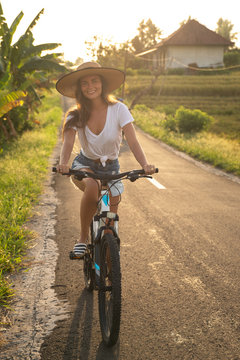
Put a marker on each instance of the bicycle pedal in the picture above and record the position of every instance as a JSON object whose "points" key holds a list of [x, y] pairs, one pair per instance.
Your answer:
{"points": [[72, 256]]}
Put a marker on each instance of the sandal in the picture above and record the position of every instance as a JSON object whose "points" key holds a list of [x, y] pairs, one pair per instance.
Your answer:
{"points": [[79, 250]]}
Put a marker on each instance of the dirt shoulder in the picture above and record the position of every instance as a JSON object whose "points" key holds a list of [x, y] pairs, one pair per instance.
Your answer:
{"points": [[35, 306]]}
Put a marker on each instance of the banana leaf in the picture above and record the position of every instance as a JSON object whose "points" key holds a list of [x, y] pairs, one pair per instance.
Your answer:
{"points": [[11, 100]]}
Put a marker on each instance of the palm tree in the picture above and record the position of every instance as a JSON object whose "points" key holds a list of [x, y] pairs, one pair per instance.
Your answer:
{"points": [[22, 65]]}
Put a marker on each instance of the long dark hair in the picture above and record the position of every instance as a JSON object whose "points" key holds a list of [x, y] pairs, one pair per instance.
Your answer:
{"points": [[81, 112]]}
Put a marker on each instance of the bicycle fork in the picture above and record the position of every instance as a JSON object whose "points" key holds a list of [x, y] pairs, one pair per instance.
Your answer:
{"points": [[102, 222]]}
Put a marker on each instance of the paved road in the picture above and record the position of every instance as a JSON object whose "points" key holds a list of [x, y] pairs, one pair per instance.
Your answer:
{"points": [[180, 256]]}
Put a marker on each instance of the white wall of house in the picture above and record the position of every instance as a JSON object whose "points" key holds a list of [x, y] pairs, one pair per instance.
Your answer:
{"points": [[203, 56]]}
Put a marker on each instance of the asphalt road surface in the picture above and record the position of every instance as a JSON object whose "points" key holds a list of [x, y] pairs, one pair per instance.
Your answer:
{"points": [[180, 256]]}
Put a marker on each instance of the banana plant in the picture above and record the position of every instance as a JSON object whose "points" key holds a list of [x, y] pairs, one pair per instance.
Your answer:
{"points": [[23, 57], [22, 65], [8, 101]]}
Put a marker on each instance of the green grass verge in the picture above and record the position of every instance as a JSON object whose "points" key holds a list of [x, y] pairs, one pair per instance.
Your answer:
{"points": [[220, 152], [23, 168]]}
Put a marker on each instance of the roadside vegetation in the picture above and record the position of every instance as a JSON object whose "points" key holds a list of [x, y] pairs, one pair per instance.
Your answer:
{"points": [[23, 169], [25, 69], [218, 151], [28, 132]]}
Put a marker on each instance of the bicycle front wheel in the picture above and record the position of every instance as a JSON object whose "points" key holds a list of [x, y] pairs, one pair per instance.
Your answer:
{"points": [[109, 295], [88, 272], [88, 264]]}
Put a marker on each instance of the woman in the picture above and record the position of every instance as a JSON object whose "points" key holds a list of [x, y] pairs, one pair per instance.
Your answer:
{"points": [[99, 120]]}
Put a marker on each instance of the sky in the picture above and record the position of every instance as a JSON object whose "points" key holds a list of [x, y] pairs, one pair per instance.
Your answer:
{"points": [[73, 22]]}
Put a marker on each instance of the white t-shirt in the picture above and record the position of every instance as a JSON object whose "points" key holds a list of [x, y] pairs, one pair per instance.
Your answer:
{"points": [[106, 145]]}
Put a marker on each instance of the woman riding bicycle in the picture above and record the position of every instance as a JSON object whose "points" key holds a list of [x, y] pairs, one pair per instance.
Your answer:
{"points": [[99, 120]]}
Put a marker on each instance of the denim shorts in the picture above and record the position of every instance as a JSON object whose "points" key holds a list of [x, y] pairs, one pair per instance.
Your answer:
{"points": [[112, 167]]}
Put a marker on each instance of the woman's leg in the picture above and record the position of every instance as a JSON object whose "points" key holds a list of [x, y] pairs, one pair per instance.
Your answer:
{"points": [[114, 201], [88, 205]]}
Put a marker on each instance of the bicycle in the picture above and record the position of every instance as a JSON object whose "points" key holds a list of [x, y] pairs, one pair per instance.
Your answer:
{"points": [[101, 267]]}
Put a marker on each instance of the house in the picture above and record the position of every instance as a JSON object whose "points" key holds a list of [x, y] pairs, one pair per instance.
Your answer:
{"points": [[193, 44]]}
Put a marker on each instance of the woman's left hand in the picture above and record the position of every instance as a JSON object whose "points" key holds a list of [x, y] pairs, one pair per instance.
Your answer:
{"points": [[149, 169]]}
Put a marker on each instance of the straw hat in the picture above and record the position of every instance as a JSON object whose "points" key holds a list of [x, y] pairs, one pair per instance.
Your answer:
{"points": [[67, 84]]}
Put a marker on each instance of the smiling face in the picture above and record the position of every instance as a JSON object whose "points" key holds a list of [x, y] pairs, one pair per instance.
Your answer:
{"points": [[91, 87]]}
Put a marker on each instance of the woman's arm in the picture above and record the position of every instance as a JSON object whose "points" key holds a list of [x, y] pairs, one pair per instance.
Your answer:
{"points": [[136, 148], [66, 150]]}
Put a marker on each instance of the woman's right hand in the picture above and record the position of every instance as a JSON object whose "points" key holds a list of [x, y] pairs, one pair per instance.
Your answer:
{"points": [[62, 168], [149, 169]]}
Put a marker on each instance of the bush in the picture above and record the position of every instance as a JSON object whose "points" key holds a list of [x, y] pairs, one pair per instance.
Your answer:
{"points": [[141, 107], [131, 72], [176, 71], [190, 121], [144, 72], [168, 109], [231, 58], [170, 124]]}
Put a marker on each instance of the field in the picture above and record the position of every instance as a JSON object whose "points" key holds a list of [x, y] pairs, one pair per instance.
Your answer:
{"points": [[218, 95]]}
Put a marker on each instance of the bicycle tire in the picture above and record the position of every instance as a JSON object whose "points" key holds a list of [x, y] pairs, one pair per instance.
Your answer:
{"points": [[109, 294], [88, 270]]}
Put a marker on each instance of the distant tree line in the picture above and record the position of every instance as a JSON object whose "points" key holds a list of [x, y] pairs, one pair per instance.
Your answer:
{"points": [[225, 29], [109, 54]]}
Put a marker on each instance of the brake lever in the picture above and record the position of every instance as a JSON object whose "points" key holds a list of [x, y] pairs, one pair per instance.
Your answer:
{"points": [[133, 177], [146, 176]]}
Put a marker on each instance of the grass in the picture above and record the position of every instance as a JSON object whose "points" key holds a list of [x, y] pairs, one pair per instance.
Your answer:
{"points": [[218, 95], [23, 168], [218, 151]]}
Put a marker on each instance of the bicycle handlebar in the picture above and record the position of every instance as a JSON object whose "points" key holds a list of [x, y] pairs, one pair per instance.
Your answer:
{"points": [[132, 175]]}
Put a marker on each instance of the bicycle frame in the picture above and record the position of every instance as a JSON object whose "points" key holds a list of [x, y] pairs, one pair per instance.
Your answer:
{"points": [[101, 222]]}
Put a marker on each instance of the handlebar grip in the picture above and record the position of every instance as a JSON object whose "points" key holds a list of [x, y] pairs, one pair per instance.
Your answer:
{"points": [[143, 172]]}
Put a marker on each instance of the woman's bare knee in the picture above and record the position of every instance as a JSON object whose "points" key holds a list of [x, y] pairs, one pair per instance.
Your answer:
{"points": [[82, 184], [78, 183]]}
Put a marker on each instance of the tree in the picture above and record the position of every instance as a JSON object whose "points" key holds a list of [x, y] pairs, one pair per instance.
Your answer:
{"points": [[148, 36], [22, 65], [118, 55], [185, 21], [107, 53], [23, 58], [224, 28]]}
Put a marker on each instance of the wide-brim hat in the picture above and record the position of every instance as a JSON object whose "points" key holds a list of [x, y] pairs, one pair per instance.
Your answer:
{"points": [[67, 84]]}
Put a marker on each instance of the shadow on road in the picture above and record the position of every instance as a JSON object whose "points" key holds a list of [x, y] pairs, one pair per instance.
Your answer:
{"points": [[105, 353], [80, 332], [79, 337]]}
